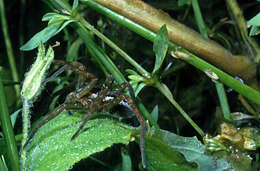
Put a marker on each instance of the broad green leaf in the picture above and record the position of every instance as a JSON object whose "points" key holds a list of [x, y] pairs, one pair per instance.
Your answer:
{"points": [[191, 148], [161, 156], [52, 149], [255, 21], [160, 47]]}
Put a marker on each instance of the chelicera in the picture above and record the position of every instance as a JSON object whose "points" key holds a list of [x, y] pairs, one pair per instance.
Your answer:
{"points": [[82, 98]]}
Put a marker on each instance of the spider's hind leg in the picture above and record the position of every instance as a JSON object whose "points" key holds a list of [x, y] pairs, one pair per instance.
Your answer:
{"points": [[119, 96]]}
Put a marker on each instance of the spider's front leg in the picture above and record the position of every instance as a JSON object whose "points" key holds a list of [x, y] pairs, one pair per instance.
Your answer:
{"points": [[56, 112]]}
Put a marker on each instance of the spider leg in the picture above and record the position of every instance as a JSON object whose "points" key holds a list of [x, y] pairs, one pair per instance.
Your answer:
{"points": [[55, 113], [76, 67], [132, 102], [94, 106], [140, 118]]}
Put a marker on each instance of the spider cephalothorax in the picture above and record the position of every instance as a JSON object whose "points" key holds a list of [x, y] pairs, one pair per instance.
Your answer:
{"points": [[103, 100]]}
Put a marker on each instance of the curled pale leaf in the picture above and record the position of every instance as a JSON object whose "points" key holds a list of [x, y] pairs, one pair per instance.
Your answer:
{"points": [[36, 75]]}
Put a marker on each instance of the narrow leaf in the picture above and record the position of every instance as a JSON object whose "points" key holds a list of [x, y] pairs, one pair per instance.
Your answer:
{"points": [[138, 88], [160, 47], [44, 35], [75, 4], [155, 113]]}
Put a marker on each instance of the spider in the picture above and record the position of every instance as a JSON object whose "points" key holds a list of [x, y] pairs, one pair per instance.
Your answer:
{"points": [[82, 98]]}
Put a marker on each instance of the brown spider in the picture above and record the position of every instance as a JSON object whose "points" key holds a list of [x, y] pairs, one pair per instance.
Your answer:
{"points": [[82, 98]]}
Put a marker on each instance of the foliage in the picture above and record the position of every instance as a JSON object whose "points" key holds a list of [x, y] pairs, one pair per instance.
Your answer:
{"points": [[178, 101]]}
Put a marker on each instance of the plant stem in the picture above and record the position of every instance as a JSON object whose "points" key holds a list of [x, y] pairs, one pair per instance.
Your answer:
{"points": [[115, 47], [199, 19], [166, 93], [152, 19], [241, 28], [200, 64], [9, 49], [219, 86], [223, 101], [26, 126], [7, 129]]}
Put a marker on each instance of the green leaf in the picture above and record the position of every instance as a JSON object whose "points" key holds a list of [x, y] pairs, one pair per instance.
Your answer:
{"points": [[126, 160], [138, 88], [14, 116], [161, 156], [35, 76], [191, 148], [132, 72], [48, 16], [255, 30], [72, 54], [160, 47], [255, 21], [136, 78], [155, 113], [75, 4], [56, 23], [184, 2], [52, 149], [3, 166]]}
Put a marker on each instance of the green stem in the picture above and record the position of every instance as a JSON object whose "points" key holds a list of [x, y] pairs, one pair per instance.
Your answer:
{"points": [[7, 129], [223, 101], [9, 49], [200, 64], [115, 47], [199, 19], [219, 86], [26, 126], [168, 95], [105, 60], [242, 30]]}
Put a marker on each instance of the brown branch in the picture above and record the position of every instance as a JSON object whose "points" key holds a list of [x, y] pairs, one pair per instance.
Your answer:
{"points": [[179, 34]]}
